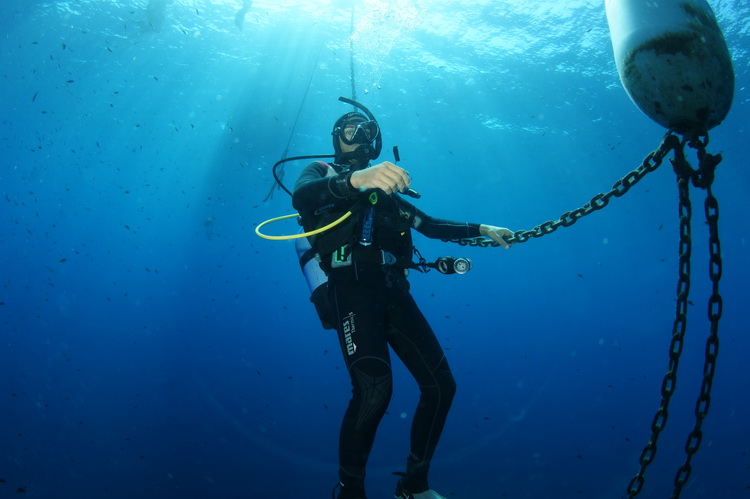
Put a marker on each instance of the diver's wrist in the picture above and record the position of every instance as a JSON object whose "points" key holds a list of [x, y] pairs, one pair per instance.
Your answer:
{"points": [[353, 180]]}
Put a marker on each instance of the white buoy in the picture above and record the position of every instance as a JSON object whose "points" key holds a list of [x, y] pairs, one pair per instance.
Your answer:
{"points": [[673, 61]]}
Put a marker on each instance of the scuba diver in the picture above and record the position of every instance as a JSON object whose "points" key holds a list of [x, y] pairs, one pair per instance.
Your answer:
{"points": [[367, 258]]}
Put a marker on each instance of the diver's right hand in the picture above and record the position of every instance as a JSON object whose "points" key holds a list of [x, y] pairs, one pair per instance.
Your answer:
{"points": [[386, 176]]}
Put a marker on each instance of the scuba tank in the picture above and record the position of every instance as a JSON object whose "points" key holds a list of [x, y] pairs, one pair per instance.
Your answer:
{"points": [[317, 281]]}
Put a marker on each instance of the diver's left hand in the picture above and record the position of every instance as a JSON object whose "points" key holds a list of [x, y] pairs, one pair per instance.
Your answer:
{"points": [[497, 234]]}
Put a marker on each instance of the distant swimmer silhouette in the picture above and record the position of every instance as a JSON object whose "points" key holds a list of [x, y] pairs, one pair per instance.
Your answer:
{"points": [[155, 15], [239, 19]]}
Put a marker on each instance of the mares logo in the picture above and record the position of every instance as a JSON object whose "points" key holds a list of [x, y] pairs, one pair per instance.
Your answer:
{"points": [[349, 328]]}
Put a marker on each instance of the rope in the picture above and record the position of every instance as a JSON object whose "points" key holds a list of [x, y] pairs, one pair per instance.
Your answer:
{"points": [[279, 174], [276, 186], [351, 57]]}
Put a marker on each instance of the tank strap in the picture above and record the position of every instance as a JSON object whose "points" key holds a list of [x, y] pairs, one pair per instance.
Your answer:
{"points": [[306, 257]]}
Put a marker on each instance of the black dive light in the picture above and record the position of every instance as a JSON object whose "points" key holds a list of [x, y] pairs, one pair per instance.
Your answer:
{"points": [[452, 265]]}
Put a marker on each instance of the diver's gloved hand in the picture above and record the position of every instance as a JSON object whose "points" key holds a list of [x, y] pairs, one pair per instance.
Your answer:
{"points": [[497, 234], [386, 176]]}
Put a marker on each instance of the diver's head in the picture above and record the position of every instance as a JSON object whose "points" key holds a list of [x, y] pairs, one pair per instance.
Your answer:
{"points": [[353, 137]]}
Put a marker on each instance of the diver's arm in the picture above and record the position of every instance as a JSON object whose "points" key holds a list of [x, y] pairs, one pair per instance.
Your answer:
{"points": [[315, 189], [438, 228]]}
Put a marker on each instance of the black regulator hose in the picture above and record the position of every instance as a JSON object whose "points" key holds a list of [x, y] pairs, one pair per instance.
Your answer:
{"points": [[294, 158]]}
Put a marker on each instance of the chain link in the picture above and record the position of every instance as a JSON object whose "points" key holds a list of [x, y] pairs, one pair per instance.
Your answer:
{"points": [[599, 201]]}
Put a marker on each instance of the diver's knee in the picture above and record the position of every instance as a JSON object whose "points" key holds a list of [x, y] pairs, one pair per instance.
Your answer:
{"points": [[446, 383], [372, 381], [450, 388]]}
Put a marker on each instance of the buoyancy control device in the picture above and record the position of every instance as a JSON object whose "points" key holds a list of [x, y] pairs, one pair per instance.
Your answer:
{"points": [[309, 259]]}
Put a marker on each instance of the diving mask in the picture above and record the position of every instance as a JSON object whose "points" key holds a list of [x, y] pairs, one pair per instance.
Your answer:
{"points": [[359, 132]]}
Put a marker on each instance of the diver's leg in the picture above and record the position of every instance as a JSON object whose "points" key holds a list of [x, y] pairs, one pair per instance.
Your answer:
{"points": [[360, 312], [413, 340]]}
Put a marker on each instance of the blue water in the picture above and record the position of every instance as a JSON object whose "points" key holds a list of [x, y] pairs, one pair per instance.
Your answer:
{"points": [[153, 346]]}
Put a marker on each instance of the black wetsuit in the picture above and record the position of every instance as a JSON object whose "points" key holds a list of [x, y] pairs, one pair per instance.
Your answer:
{"points": [[374, 309]]}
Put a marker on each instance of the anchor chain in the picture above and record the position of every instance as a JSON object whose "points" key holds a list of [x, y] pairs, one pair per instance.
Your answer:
{"points": [[669, 383], [599, 201], [701, 178]]}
